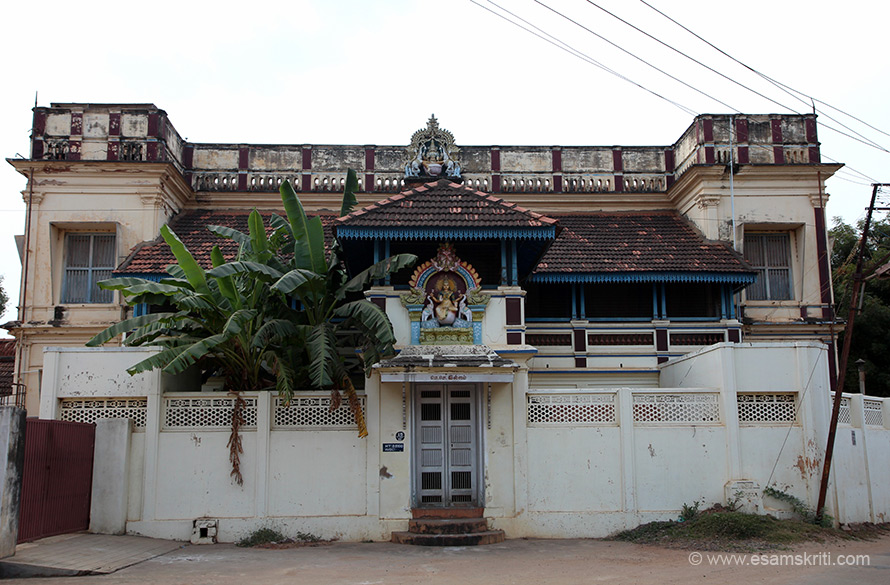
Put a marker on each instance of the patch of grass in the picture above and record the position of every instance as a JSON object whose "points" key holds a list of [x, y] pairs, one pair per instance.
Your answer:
{"points": [[262, 536], [721, 529], [689, 512], [306, 537], [738, 526]]}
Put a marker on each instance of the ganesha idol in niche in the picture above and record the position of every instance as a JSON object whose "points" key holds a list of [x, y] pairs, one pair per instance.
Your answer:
{"points": [[446, 305]]}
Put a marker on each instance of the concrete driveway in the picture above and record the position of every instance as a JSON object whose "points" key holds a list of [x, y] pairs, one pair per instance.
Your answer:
{"points": [[553, 562]]}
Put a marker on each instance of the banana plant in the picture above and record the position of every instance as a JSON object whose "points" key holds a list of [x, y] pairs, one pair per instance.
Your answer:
{"points": [[226, 320], [319, 284], [277, 316]]}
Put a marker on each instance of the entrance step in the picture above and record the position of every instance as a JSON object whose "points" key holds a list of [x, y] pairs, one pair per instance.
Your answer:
{"points": [[472, 539], [448, 527], [446, 512]]}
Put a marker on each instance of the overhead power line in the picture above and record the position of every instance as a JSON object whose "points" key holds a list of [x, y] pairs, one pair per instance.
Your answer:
{"points": [[785, 88], [854, 176], [637, 57], [851, 133], [576, 53]]}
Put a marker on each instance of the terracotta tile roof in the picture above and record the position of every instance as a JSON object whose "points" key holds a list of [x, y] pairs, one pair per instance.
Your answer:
{"points": [[656, 241], [592, 243], [7, 365], [7, 347], [444, 204], [191, 227]]}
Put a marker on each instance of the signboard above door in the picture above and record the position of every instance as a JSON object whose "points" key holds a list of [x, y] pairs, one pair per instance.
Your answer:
{"points": [[444, 377]]}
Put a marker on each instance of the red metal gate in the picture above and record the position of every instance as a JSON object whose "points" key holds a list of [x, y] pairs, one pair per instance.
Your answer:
{"points": [[57, 478]]}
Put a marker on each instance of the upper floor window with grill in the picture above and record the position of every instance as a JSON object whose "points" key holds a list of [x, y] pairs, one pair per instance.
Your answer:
{"points": [[770, 255], [89, 259]]}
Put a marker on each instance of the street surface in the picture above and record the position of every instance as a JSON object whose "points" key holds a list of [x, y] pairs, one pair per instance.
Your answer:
{"points": [[554, 562]]}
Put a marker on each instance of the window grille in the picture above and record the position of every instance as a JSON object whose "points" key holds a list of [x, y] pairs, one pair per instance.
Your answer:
{"points": [[571, 409], [693, 299], [206, 413], [693, 408], [89, 259], [874, 414], [618, 301], [770, 256], [305, 412], [548, 301], [89, 410], [766, 408]]}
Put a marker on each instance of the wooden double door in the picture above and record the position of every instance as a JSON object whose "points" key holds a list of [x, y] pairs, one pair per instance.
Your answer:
{"points": [[447, 445]]}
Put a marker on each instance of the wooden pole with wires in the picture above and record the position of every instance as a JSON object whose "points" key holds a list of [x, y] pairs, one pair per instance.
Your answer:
{"points": [[858, 279]]}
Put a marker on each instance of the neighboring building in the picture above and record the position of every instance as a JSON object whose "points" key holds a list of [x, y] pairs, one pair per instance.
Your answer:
{"points": [[563, 294], [7, 367]]}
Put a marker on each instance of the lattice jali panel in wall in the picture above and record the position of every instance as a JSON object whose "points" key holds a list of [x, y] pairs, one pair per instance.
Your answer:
{"points": [[571, 409], [206, 413], [89, 410], [766, 408], [843, 416], [874, 413], [314, 412], [692, 408]]}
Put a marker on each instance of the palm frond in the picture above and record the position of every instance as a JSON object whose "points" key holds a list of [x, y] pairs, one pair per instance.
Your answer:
{"points": [[349, 189], [296, 279], [194, 352], [376, 271], [125, 326], [193, 273], [230, 233], [321, 345], [255, 269], [273, 330]]}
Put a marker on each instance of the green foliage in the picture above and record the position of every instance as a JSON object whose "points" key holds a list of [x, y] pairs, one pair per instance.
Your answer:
{"points": [[4, 298], [690, 512], [870, 341], [799, 507], [735, 502], [279, 316], [349, 200], [262, 536], [719, 529], [732, 525], [267, 536]]}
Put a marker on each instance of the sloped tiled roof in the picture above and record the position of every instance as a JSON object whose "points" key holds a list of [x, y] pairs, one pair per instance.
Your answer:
{"points": [[191, 227], [444, 204], [626, 242], [590, 243], [7, 365]]}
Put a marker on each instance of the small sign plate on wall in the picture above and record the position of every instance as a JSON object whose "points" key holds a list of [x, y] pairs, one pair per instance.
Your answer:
{"points": [[393, 447], [445, 377]]}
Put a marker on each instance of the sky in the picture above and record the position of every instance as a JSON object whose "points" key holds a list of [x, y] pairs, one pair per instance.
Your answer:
{"points": [[372, 72]]}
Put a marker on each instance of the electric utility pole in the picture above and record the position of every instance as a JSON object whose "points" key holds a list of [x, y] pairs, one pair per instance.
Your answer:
{"points": [[858, 279]]}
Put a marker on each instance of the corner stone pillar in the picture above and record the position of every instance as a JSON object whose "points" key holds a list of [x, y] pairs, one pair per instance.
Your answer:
{"points": [[12, 462]]}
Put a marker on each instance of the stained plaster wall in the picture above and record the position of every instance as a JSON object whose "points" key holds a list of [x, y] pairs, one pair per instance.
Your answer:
{"points": [[768, 367], [764, 201], [130, 201], [539, 481]]}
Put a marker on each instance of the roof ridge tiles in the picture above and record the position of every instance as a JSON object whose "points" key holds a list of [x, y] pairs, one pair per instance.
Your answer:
{"points": [[445, 203]]}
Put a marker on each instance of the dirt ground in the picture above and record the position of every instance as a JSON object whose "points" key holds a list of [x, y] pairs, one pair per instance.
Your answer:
{"points": [[554, 562]]}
